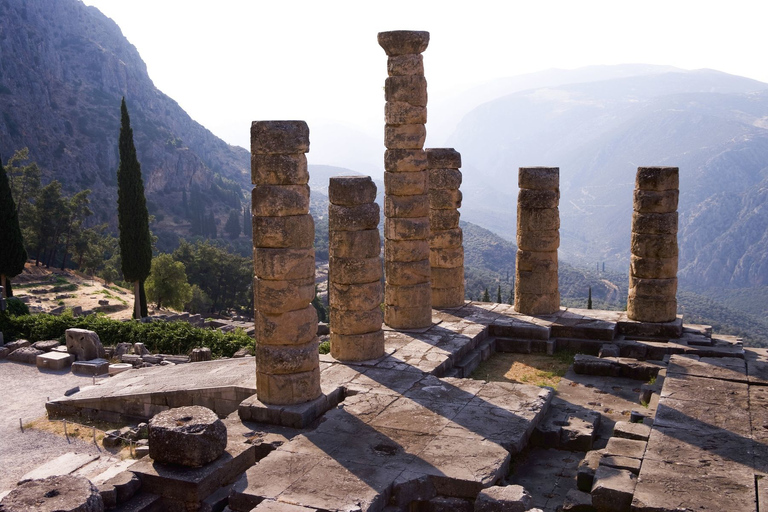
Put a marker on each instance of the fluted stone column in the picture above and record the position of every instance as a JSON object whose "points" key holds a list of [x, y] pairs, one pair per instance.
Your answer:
{"points": [[446, 251], [355, 270], [287, 360], [407, 297], [653, 263], [538, 238]]}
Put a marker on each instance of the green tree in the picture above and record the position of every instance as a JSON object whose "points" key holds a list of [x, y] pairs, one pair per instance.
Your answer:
{"points": [[232, 227], [247, 225], [498, 295], [589, 298], [486, 296], [167, 283], [132, 214], [78, 211], [12, 252], [200, 302]]}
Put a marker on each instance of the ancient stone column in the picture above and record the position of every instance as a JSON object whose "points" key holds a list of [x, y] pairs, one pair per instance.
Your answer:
{"points": [[446, 251], [407, 297], [653, 263], [287, 360], [538, 238], [354, 270]]}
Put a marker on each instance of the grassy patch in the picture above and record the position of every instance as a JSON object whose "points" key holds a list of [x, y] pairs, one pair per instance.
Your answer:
{"points": [[534, 369], [82, 430]]}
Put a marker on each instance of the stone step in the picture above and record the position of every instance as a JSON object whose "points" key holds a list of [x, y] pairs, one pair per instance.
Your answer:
{"points": [[521, 346], [616, 367], [472, 360], [142, 502]]}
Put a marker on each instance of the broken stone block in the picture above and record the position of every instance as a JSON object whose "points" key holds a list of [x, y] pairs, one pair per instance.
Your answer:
{"points": [[613, 489], [17, 344], [188, 436], [56, 493], [635, 431], [122, 348], [126, 484], [580, 430], [140, 349], [510, 498], [577, 501], [585, 474], [46, 345], [27, 355], [200, 354], [84, 344], [609, 350], [625, 447], [620, 462]]}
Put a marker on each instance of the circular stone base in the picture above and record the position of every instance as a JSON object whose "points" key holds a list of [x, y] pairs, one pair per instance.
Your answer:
{"points": [[54, 494], [188, 436], [116, 368]]}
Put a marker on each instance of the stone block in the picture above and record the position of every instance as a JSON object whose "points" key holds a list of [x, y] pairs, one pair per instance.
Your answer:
{"points": [[406, 64], [405, 183], [279, 200], [357, 297], [446, 239], [447, 277], [286, 359], [46, 345], [406, 229], [288, 389], [403, 42], [353, 218], [657, 178], [535, 283], [510, 498], [577, 501], [407, 273], [613, 489], [444, 179], [619, 462], [406, 250], [653, 288], [290, 328], [444, 158], [625, 447], [609, 350], [407, 296], [441, 220], [537, 304], [647, 245], [13, 345], [644, 309], [579, 432], [125, 484], [538, 199], [537, 220], [539, 178], [55, 493], [92, 367], [402, 113], [279, 137], [585, 474], [652, 201], [444, 199], [409, 89], [354, 244], [4, 351], [448, 297], [84, 344], [405, 136], [53, 360], [26, 355], [295, 232], [356, 322], [279, 169], [405, 160], [283, 264], [406, 207], [355, 270], [351, 190], [653, 268], [273, 297], [654, 223], [537, 262], [140, 349], [449, 504], [399, 317], [357, 347], [190, 436], [541, 241], [446, 258]]}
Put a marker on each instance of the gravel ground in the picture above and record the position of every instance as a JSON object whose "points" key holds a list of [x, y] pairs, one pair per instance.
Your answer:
{"points": [[23, 392]]}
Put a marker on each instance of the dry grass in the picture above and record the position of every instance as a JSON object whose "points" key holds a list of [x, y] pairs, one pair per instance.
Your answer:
{"points": [[535, 369], [79, 431]]}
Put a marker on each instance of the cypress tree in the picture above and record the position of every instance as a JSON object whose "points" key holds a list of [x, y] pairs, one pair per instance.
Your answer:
{"points": [[132, 215], [498, 295], [589, 298], [12, 252]]}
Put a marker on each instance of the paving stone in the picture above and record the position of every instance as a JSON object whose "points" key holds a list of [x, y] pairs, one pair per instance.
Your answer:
{"points": [[578, 501], [510, 498], [62, 465], [726, 368], [276, 506], [620, 462], [635, 431], [703, 390], [586, 472], [625, 448], [613, 489]]}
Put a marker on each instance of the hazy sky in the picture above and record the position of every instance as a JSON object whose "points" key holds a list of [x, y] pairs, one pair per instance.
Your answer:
{"points": [[233, 61]]}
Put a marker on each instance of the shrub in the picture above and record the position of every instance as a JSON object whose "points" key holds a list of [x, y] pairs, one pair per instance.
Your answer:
{"points": [[16, 307]]}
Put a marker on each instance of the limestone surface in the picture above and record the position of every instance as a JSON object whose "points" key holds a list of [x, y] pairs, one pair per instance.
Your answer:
{"points": [[188, 436], [54, 494], [85, 344]]}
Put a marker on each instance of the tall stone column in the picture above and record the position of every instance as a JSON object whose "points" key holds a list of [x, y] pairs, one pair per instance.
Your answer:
{"points": [[287, 360], [446, 250], [653, 263], [407, 297], [538, 238], [355, 270]]}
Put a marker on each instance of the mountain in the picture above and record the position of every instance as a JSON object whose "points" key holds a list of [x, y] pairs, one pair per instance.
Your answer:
{"points": [[63, 69], [712, 125]]}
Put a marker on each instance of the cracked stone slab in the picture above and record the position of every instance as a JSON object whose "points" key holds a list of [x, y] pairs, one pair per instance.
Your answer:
{"points": [[692, 447], [62, 465], [725, 368], [700, 389]]}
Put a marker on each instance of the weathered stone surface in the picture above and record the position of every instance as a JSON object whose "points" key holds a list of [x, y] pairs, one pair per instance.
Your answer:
{"points": [[621, 462], [651, 201], [653, 268], [405, 160], [355, 270], [356, 322], [448, 297], [26, 355], [279, 137], [538, 241], [654, 223], [409, 89], [444, 199], [53, 360], [13, 345], [613, 489], [353, 218], [357, 347], [657, 178], [64, 493], [530, 219], [537, 262], [125, 484], [535, 282], [406, 229], [358, 297], [444, 159], [405, 183], [444, 179], [586, 472], [273, 297], [351, 190], [279, 169], [407, 317], [447, 277], [355, 244], [408, 296], [295, 232], [647, 245], [446, 258], [46, 345], [577, 501], [446, 239], [84, 344], [449, 504], [283, 264], [644, 309], [405, 136], [188, 436], [279, 200], [403, 42], [538, 199], [654, 288], [406, 250], [510, 498], [406, 64], [539, 178], [288, 389], [441, 220], [290, 328], [405, 273], [282, 359], [537, 304], [410, 206]]}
